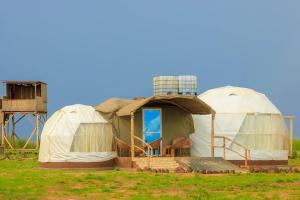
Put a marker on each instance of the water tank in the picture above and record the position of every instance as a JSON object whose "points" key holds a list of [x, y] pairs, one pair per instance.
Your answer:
{"points": [[175, 85], [165, 85], [187, 85]]}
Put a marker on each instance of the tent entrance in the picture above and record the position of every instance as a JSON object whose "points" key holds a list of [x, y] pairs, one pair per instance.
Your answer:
{"points": [[152, 127]]}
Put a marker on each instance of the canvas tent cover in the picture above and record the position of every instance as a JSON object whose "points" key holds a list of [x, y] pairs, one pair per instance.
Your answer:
{"points": [[190, 104], [76, 133], [245, 116], [176, 115]]}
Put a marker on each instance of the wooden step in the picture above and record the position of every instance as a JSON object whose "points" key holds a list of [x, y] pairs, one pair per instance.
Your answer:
{"points": [[154, 159], [157, 163]]}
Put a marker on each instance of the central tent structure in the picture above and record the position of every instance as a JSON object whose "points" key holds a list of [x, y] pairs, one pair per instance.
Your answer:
{"points": [[126, 117]]}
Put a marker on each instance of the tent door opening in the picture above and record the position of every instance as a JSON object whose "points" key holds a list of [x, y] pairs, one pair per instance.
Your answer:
{"points": [[152, 127]]}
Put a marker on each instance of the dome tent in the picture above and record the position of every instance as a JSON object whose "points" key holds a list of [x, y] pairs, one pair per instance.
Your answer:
{"points": [[76, 134], [245, 116]]}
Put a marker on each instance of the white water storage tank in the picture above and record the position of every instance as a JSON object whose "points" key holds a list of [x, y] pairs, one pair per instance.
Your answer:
{"points": [[165, 85], [187, 85], [175, 85]]}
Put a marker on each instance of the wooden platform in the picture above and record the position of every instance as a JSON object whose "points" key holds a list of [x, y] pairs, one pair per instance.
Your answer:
{"points": [[212, 165], [178, 164]]}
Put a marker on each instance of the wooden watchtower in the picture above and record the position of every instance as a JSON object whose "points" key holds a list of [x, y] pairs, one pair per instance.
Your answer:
{"points": [[22, 100]]}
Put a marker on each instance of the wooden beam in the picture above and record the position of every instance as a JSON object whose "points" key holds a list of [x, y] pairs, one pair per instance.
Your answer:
{"points": [[43, 119], [16, 135], [4, 125], [13, 130], [3, 89], [37, 130], [19, 119], [291, 134], [21, 150], [2, 128], [132, 134], [246, 157], [6, 122], [235, 142], [8, 143], [213, 135], [34, 90], [31, 120], [24, 112], [224, 148], [28, 140]]}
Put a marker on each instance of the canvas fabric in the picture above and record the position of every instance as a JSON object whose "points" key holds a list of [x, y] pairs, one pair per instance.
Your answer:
{"points": [[62, 136], [264, 132], [176, 122], [93, 137], [245, 116], [190, 104]]}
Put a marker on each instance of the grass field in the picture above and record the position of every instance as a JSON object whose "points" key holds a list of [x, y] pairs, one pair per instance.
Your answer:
{"points": [[23, 179]]}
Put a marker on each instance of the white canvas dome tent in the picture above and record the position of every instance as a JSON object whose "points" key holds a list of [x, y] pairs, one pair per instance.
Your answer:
{"points": [[246, 117], [77, 136]]}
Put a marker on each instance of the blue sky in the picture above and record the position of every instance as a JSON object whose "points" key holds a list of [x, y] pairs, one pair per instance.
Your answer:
{"points": [[88, 51], [151, 120]]}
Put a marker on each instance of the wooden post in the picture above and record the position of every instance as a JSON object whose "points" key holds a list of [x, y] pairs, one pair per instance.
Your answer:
{"points": [[13, 130], [37, 130], [3, 89], [224, 148], [246, 158], [34, 90], [132, 134], [213, 135], [249, 156], [3, 128], [291, 135]]}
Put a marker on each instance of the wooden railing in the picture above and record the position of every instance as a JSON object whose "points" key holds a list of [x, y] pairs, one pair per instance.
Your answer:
{"points": [[149, 149], [246, 155], [24, 105]]}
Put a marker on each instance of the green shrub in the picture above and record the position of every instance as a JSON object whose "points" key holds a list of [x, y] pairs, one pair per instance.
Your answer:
{"points": [[294, 155], [296, 145], [19, 143]]}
